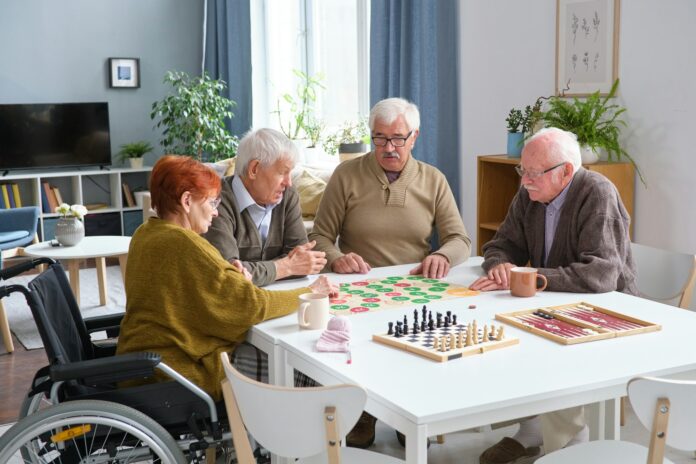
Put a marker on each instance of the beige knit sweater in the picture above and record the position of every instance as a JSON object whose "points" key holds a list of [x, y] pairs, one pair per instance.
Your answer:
{"points": [[385, 223]]}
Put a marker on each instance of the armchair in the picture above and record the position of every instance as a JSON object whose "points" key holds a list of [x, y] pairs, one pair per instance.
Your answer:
{"points": [[17, 229]]}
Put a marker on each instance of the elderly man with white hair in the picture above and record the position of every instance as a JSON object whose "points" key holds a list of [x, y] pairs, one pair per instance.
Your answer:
{"points": [[571, 225], [259, 221]]}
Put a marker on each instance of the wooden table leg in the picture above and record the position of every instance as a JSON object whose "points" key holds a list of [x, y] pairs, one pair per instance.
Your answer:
{"points": [[5, 329], [74, 275], [123, 261], [100, 264]]}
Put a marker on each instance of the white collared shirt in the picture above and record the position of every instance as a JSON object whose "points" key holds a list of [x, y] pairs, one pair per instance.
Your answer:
{"points": [[260, 215]]}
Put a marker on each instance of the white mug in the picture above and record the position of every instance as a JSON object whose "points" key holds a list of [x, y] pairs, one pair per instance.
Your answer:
{"points": [[313, 312]]}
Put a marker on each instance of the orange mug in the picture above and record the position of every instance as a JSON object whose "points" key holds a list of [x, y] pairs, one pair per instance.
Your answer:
{"points": [[523, 281]]}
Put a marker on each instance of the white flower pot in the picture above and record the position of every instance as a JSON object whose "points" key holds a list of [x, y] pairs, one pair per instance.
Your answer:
{"points": [[136, 163], [69, 231], [589, 155]]}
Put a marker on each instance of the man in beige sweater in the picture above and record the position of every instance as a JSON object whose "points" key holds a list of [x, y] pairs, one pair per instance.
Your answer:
{"points": [[383, 206]]}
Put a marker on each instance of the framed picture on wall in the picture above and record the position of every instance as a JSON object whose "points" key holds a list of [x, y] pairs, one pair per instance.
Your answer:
{"points": [[587, 46], [124, 73]]}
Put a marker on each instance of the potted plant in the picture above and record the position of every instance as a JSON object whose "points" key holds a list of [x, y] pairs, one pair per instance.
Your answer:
{"points": [[300, 109], [350, 140], [515, 137], [314, 129], [595, 121], [193, 118], [134, 152]]}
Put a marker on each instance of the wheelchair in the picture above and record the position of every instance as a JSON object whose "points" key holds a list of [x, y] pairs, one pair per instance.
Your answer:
{"points": [[76, 412]]}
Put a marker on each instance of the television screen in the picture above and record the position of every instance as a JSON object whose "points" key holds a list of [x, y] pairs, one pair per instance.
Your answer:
{"points": [[48, 135]]}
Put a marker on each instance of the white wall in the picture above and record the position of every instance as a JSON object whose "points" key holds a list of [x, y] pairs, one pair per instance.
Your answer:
{"points": [[508, 60]]}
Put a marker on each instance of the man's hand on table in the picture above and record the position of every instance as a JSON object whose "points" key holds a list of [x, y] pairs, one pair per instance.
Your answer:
{"points": [[434, 266], [302, 260], [350, 263], [498, 278]]}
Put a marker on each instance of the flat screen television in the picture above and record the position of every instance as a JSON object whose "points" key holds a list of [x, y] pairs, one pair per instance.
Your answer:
{"points": [[49, 135]]}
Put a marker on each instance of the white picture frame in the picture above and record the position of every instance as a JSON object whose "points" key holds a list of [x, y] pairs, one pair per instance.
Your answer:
{"points": [[124, 73], [587, 46]]}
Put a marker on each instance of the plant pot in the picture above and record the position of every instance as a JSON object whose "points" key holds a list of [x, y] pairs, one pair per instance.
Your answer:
{"points": [[136, 163], [515, 142], [69, 231], [315, 156], [348, 151], [589, 155]]}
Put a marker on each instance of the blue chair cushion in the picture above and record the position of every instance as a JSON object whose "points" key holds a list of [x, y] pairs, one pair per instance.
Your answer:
{"points": [[13, 235]]}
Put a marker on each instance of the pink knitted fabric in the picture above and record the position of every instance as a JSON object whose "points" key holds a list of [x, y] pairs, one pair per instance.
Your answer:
{"points": [[336, 337]]}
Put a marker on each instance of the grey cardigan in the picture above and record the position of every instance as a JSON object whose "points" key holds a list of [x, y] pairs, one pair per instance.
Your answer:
{"points": [[236, 236], [591, 250]]}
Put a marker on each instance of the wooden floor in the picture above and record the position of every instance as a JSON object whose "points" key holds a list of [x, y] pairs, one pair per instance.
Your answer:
{"points": [[16, 373]]}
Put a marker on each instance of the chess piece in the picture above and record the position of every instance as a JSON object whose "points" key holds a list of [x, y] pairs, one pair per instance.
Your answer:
{"points": [[501, 333], [485, 334], [431, 325], [460, 340], [435, 343], [415, 328], [415, 315], [469, 338], [422, 325], [452, 344], [405, 329], [391, 329], [449, 314], [424, 311], [454, 319], [446, 322], [405, 320], [474, 332]]}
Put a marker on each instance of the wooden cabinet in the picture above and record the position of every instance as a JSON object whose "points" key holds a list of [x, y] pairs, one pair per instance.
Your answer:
{"points": [[498, 183]]}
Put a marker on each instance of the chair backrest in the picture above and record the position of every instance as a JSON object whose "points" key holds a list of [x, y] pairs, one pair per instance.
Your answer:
{"points": [[287, 421], [57, 316], [664, 276], [644, 393], [148, 212]]}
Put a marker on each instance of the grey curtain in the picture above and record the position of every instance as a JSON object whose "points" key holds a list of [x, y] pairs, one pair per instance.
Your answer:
{"points": [[413, 55], [228, 56]]}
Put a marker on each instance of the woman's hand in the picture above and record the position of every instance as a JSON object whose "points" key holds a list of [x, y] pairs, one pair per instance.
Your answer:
{"points": [[324, 285]]}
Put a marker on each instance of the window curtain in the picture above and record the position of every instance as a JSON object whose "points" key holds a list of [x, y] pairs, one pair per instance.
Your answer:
{"points": [[228, 56], [413, 55]]}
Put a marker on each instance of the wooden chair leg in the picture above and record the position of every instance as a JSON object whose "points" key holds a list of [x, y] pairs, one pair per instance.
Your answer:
{"points": [[622, 418], [440, 439], [5, 329]]}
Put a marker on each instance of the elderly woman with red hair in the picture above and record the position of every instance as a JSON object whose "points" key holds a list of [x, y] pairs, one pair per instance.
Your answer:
{"points": [[184, 300]]}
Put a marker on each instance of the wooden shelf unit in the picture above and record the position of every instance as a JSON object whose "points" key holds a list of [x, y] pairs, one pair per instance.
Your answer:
{"points": [[498, 183], [88, 186]]}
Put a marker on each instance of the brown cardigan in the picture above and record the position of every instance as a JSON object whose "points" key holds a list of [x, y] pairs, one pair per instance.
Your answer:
{"points": [[591, 250]]}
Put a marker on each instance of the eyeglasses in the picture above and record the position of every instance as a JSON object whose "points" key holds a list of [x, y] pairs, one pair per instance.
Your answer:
{"points": [[397, 142], [535, 174], [214, 202]]}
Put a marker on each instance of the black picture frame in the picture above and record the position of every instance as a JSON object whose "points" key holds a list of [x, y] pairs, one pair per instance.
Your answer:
{"points": [[124, 73]]}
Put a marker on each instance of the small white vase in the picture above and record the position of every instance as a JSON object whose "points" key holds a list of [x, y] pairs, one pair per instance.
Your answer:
{"points": [[589, 155], [69, 231], [136, 163]]}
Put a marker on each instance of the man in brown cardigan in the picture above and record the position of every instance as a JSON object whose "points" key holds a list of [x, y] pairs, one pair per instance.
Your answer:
{"points": [[571, 225]]}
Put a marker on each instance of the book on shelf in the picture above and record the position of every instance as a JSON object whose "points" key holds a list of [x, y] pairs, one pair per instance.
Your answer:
{"points": [[50, 197], [94, 206], [10, 195], [130, 201], [45, 206], [17, 196], [59, 197], [5, 196]]}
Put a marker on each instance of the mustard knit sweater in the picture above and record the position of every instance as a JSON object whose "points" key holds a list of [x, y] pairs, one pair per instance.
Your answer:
{"points": [[185, 302]]}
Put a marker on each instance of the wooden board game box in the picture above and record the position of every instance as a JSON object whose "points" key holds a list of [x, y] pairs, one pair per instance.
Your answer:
{"points": [[577, 323]]}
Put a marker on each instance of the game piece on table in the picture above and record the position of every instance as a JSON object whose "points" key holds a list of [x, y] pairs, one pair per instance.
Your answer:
{"points": [[501, 333], [474, 332], [424, 311], [485, 334], [415, 315], [469, 338], [431, 325], [453, 343], [415, 328], [446, 325], [430, 315], [405, 320], [491, 333], [391, 329], [449, 314], [422, 327], [439, 320], [435, 343], [405, 329], [454, 319], [472, 306]]}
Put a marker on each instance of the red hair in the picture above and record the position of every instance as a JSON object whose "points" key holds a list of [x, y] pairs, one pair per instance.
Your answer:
{"points": [[173, 175]]}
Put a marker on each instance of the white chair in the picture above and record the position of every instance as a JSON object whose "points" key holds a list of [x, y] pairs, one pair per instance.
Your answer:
{"points": [[148, 212], [304, 423], [664, 276], [666, 407]]}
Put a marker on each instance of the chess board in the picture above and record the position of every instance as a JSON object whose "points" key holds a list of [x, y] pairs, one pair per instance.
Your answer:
{"points": [[388, 292], [442, 343], [577, 323]]}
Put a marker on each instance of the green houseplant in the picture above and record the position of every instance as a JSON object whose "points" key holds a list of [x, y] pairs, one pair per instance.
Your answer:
{"points": [[300, 108], [134, 152], [515, 137], [350, 137], [193, 117], [595, 120]]}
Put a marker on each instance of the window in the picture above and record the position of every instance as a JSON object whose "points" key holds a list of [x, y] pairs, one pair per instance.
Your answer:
{"points": [[328, 37]]}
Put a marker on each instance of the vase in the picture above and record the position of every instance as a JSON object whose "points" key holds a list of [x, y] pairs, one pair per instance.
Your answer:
{"points": [[515, 141], [136, 163], [589, 155], [69, 231]]}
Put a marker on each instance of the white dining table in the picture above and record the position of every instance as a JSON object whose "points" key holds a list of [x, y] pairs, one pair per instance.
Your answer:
{"points": [[422, 398]]}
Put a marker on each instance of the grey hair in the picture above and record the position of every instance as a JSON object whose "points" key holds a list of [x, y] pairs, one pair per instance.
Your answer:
{"points": [[387, 110], [265, 145], [562, 146]]}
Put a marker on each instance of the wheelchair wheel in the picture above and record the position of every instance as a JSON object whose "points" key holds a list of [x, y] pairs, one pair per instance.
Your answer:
{"points": [[89, 431], [32, 404]]}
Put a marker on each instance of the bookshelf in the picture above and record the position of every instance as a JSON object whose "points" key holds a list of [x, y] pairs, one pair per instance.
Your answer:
{"points": [[498, 183], [101, 188]]}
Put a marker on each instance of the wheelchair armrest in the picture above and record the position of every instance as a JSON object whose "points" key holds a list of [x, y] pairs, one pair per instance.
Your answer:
{"points": [[109, 322], [108, 370]]}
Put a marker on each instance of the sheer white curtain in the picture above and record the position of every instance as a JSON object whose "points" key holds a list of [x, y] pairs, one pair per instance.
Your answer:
{"points": [[317, 37]]}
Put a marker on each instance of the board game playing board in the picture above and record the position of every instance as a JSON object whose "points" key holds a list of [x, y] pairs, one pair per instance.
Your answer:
{"points": [[443, 338], [377, 294], [577, 323]]}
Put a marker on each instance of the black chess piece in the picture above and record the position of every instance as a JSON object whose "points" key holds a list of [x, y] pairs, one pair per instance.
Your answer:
{"points": [[454, 319], [423, 325], [424, 311], [405, 320], [431, 325], [449, 314], [439, 320], [447, 324], [415, 328], [415, 315], [397, 331], [391, 329], [405, 329]]}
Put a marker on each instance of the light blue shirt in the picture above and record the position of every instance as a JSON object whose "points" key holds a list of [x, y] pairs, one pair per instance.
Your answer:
{"points": [[260, 215], [553, 213]]}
